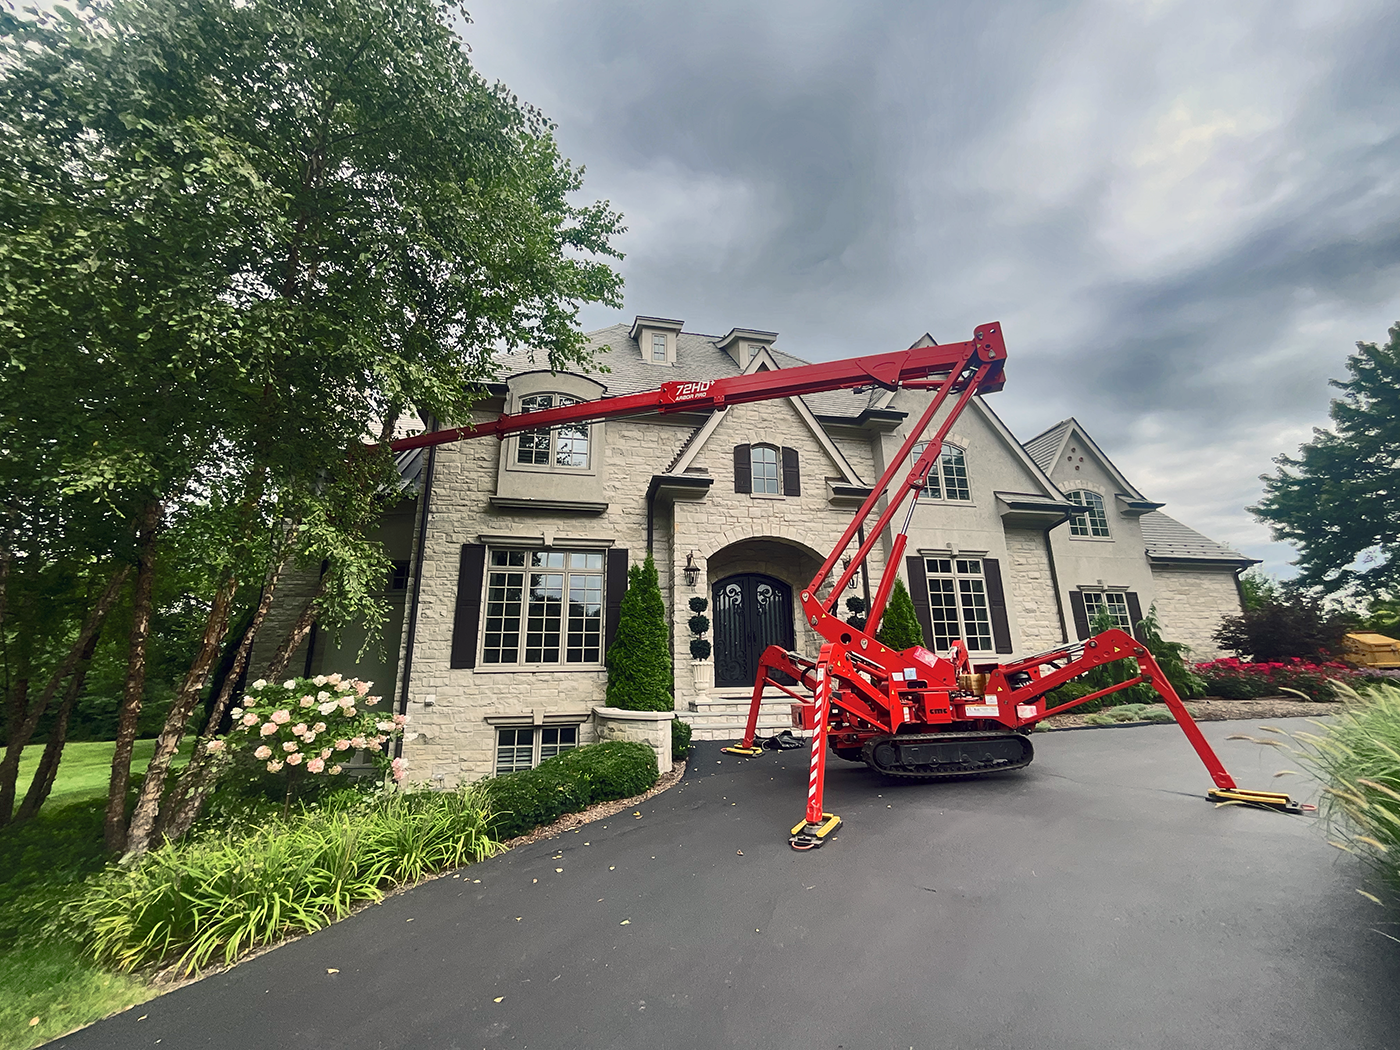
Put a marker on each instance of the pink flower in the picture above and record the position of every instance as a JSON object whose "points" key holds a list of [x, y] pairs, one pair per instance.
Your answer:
{"points": [[357, 741], [349, 712], [373, 745], [371, 701], [362, 687], [306, 701], [323, 695], [263, 753], [274, 766], [400, 720], [344, 701], [384, 727], [294, 759], [344, 687], [342, 745], [325, 752], [333, 679], [290, 745], [214, 747], [319, 727], [308, 738], [268, 729], [281, 717], [327, 707], [250, 719], [335, 771], [315, 765], [399, 766], [299, 729]]}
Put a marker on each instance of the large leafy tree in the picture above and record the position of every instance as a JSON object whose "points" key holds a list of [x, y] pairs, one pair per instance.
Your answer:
{"points": [[237, 239], [1338, 501]]}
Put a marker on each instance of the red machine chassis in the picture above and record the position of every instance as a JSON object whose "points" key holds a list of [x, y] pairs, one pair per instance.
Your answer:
{"points": [[859, 691]]}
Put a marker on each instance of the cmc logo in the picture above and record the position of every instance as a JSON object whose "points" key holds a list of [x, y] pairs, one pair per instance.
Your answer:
{"points": [[685, 391]]}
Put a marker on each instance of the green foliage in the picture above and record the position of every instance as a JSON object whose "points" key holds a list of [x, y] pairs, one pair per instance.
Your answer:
{"points": [[567, 783], [1288, 625], [639, 659], [680, 738], [698, 624], [899, 627], [1170, 656], [1235, 679], [1338, 502], [855, 610], [700, 648], [699, 605], [1258, 587], [211, 898], [1130, 713]]}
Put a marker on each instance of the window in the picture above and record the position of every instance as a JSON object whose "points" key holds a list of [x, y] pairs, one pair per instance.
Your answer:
{"points": [[563, 446], [544, 607], [958, 608], [527, 747], [765, 469], [1095, 523], [398, 576], [1116, 604], [658, 348], [947, 479]]}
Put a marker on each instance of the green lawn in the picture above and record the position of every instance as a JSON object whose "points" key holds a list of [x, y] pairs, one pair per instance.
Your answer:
{"points": [[86, 767]]}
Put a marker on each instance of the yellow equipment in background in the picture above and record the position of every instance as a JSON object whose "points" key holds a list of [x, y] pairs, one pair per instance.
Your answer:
{"points": [[1372, 650]]}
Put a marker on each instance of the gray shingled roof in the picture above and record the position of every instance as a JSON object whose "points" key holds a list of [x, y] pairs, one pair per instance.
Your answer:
{"points": [[697, 357], [1043, 447], [1168, 540]]}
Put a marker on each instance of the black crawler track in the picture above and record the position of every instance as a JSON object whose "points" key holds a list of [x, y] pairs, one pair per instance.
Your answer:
{"points": [[933, 756]]}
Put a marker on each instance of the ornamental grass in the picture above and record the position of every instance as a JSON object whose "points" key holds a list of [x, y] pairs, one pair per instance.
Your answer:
{"points": [[209, 899]]}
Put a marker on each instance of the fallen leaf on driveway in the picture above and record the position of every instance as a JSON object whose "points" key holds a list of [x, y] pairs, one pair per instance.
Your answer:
{"points": [[558, 871], [625, 922], [498, 998], [739, 852], [519, 917], [331, 969]]}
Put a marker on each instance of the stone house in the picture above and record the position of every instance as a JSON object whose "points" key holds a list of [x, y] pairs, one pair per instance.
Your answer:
{"points": [[510, 557]]}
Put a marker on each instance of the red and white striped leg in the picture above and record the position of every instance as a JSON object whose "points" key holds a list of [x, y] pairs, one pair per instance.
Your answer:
{"points": [[817, 825]]}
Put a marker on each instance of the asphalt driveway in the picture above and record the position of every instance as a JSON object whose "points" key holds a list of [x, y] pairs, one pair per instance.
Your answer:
{"points": [[1091, 901]]}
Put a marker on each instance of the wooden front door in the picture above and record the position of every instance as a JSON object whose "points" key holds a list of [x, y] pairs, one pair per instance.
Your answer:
{"points": [[752, 612]]}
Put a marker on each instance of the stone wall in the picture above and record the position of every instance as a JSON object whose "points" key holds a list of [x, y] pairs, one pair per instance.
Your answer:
{"points": [[1190, 605], [1030, 587]]}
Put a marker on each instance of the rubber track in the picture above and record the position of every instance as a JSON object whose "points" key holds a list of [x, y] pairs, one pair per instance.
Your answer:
{"points": [[867, 754]]}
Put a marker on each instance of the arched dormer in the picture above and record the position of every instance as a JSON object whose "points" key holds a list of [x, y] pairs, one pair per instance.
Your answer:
{"points": [[555, 466]]}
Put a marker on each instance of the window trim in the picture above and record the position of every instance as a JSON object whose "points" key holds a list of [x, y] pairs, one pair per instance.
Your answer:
{"points": [[563, 665], [942, 498], [665, 357], [1100, 594], [1070, 495], [777, 464], [958, 575]]}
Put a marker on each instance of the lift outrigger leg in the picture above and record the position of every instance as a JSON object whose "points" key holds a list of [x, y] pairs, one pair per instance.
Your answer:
{"points": [[812, 832]]}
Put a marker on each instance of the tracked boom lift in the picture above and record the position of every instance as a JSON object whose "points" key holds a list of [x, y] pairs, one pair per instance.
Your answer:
{"points": [[910, 714]]}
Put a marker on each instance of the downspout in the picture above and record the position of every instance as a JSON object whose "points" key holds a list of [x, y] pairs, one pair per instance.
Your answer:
{"points": [[1055, 581], [652, 490], [417, 581]]}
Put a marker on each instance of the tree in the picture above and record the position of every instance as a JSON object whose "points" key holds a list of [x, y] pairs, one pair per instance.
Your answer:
{"points": [[899, 627], [639, 659], [237, 239], [1287, 625], [1338, 502]]}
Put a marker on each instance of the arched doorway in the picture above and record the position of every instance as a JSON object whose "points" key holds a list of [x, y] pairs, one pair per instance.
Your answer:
{"points": [[752, 612]]}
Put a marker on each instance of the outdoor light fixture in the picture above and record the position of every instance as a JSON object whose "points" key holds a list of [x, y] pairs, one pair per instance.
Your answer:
{"points": [[846, 564], [692, 571]]}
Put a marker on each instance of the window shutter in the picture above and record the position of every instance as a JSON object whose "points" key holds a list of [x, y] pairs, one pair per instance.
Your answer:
{"points": [[792, 477], [1081, 617], [743, 469], [468, 616], [1134, 613], [996, 601], [617, 587], [918, 592]]}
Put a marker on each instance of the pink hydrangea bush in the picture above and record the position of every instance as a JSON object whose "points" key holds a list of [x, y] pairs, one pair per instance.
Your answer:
{"points": [[298, 736]]}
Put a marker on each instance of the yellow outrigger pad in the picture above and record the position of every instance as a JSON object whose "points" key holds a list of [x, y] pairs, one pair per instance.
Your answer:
{"points": [[830, 822], [1259, 799], [739, 749]]}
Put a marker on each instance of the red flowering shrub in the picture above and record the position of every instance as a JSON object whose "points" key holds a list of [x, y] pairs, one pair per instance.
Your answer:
{"points": [[1237, 680]]}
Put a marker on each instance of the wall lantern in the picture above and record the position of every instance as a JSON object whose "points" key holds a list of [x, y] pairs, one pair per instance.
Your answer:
{"points": [[692, 571], [846, 565]]}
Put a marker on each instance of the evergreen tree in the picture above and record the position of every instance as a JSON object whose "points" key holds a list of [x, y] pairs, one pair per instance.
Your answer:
{"points": [[899, 627], [639, 659]]}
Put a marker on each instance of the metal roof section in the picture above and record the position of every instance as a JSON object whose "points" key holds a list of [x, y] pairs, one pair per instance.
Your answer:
{"points": [[1167, 540], [410, 467]]}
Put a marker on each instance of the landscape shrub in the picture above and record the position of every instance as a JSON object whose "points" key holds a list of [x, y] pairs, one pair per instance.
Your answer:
{"points": [[213, 897], [1131, 713], [680, 738], [1284, 625], [639, 658], [899, 626], [567, 783], [1237, 680]]}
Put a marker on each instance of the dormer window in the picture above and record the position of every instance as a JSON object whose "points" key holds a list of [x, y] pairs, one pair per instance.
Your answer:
{"points": [[658, 348], [562, 446]]}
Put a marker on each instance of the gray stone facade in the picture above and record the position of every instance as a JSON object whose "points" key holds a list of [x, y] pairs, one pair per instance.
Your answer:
{"points": [[581, 498]]}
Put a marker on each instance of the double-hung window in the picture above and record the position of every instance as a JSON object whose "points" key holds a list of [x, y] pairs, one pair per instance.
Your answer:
{"points": [[1095, 523], [544, 607], [1115, 603], [561, 446], [527, 746], [658, 348], [958, 607], [947, 479]]}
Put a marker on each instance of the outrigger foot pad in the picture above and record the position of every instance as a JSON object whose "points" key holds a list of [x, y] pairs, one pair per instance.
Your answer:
{"points": [[740, 749], [813, 836], [1258, 799]]}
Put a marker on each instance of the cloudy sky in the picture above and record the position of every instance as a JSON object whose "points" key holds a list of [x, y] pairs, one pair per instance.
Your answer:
{"points": [[1185, 214]]}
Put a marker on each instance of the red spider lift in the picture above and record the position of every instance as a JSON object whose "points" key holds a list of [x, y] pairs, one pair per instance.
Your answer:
{"points": [[909, 714]]}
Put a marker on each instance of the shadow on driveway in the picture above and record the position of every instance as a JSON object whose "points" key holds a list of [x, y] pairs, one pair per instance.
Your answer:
{"points": [[1093, 900]]}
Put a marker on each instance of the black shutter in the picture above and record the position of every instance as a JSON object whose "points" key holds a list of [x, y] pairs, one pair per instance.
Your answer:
{"points": [[468, 616], [1081, 618], [792, 477], [918, 591], [743, 469], [996, 601], [1134, 613], [617, 587]]}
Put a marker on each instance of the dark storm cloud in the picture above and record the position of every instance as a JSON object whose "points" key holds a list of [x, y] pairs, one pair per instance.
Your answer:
{"points": [[1184, 213]]}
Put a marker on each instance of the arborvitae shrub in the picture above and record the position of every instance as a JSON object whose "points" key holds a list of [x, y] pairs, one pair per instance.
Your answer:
{"points": [[639, 659], [899, 627]]}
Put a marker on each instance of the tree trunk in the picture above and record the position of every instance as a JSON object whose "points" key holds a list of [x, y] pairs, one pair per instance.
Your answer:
{"points": [[19, 734], [197, 780], [295, 636], [143, 820], [114, 827], [44, 776]]}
